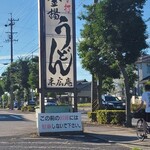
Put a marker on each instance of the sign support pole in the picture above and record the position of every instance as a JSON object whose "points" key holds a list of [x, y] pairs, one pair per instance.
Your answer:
{"points": [[74, 47], [42, 74]]}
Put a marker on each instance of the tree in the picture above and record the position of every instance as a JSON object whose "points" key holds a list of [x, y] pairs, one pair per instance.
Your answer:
{"points": [[91, 47], [1, 89], [33, 79], [24, 75], [6, 80], [21, 74], [119, 34], [125, 34]]}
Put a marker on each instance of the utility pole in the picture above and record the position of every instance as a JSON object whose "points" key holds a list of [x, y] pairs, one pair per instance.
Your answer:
{"points": [[11, 40]]}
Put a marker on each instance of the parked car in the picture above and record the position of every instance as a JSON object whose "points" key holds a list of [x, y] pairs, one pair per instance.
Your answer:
{"points": [[50, 102], [15, 104], [18, 104], [112, 102], [30, 103]]}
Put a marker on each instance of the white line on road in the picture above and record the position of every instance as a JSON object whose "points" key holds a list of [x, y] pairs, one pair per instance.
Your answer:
{"points": [[16, 117]]}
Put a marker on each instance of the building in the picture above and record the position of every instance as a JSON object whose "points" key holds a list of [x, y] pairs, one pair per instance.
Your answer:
{"points": [[143, 72], [84, 91]]}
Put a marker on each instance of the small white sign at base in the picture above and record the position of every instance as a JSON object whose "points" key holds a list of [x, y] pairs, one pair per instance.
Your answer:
{"points": [[59, 122]]}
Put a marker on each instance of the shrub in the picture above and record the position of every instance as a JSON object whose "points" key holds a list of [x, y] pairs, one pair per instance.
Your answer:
{"points": [[28, 108], [31, 108], [92, 116], [111, 116], [24, 108], [108, 116], [84, 105]]}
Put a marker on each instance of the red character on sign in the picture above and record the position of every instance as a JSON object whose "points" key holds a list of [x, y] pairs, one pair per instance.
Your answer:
{"points": [[67, 7]]}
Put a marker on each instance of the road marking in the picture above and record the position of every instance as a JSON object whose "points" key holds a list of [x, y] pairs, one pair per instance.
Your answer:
{"points": [[16, 117]]}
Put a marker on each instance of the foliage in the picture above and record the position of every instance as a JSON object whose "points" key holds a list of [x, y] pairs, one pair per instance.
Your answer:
{"points": [[33, 78], [6, 80], [125, 34], [147, 82], [114, 33], [24, 108], [136, 148], [21, 73], [92, 116], [1, 88], [52, 94], [108, 116], [5, 98], [108, 85], [28, 108], [84, 105], [130, 69], [91, 48]]}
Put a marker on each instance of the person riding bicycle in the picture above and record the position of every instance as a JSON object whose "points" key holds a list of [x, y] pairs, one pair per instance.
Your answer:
{"points": [[146, 99]]}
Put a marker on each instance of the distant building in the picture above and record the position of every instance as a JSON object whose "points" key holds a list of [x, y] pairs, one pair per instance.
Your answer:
{"points": [[143, 72], [84, 91]]}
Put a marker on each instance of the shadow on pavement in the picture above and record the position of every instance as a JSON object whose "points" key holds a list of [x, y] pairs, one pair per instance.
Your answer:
{"points": [[77, 137], [114, 138]]}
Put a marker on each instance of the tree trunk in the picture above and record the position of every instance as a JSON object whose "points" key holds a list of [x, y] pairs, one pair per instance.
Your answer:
{"points": [[94, 93], [99, 92], [128, 97]]}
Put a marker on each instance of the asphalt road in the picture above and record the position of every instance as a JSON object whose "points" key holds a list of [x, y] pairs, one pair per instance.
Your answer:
{"points": [[10, 117], [18, 132], [13, 123], [61, 142]]}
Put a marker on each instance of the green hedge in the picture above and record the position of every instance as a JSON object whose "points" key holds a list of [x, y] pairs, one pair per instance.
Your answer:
{"points": [[28, 108], [92, 116], [108, 116]]}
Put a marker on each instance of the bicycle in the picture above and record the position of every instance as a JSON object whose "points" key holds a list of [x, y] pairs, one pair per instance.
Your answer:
{"points": [[141, 133]]}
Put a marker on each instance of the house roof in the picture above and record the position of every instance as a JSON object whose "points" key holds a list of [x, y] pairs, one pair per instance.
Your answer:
{"points": [[81, 84], [145, 79], [143, 59]]}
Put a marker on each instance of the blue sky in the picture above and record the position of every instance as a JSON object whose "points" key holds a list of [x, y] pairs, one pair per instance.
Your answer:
{"points": [[27, 30]]}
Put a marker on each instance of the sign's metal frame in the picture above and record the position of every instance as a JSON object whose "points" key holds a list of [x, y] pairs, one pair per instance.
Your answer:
{"points": [[42, 58]]}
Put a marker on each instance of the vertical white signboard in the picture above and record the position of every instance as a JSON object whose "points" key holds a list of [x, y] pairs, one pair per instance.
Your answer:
{"points": [[59, 44]]}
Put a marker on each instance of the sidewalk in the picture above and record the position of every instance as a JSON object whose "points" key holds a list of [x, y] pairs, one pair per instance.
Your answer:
{"points": [[120, 135]]}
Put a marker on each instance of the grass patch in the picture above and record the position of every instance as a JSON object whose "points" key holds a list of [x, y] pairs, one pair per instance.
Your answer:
{"points": [[136, 148], [84, 105]]}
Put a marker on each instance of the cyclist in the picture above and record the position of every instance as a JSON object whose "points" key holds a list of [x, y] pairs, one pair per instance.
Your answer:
{"points": [[146, 99]]}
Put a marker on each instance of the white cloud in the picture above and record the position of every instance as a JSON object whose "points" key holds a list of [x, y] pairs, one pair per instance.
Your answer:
{"points": [[7, 57]]}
